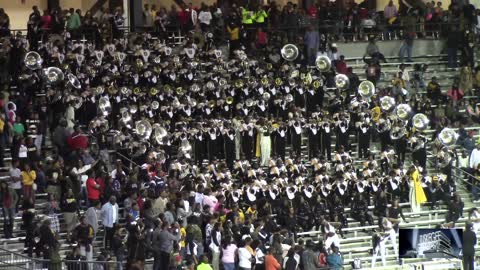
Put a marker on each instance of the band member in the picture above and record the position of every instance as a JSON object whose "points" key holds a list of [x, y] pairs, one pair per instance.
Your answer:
{"points": [[363, 131], [248, 140], [326, 140], [296, 133], [391, 235], [200, 146], [313, 139], [360, 211], [279, 141], [229, 146], [342, 130]]}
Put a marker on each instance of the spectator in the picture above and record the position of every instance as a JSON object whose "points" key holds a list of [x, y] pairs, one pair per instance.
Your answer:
{"points": [[148, 16], [341, 65], [92, 216], [309, 259], [261, 39], [46, 20], [229, 251], [83, 235], [260, 16], [469, 242], [52, 210], [9, 199], [205, 18], [434, 92], [246, 255], [28, 180], [163, 245], [453, 38], [70, 211], [407, 47], [204, 265], [466, 78], [373, 51], [334, 259], [455, 93], [109, 216], [73, 22], [4, 23], [312, 45]]}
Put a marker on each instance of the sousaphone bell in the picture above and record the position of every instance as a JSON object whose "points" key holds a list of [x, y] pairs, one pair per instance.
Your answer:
{"points": [[289, 52], [366, 89]]}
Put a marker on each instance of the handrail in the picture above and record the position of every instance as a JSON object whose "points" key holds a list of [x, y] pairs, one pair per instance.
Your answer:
{"points": [[129, 160]]}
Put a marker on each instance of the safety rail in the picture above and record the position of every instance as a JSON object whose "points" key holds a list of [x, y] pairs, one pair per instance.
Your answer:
{"points": [[13, 261]]}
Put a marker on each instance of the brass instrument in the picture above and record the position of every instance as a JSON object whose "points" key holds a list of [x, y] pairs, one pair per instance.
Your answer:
{"points": [[153, 91], [211, 103], [403, 111], [112, 90], [229, 100], [341, 81], [155, 105], [420, 121], [323, 63], [33, 60], [104, 106], [366, 89], [278, 82], [448, 137], [137, 91], [387, 103], [289, 52], [53, 75], [74, 81]]}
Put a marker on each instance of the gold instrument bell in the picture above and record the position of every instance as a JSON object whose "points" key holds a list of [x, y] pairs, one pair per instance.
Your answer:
{"points": [[264, 81], [153, 91], [269, 66], [167, 88], [278, 82], [211, 103], [112, 90], [229, 100], [139, 63], [239, 83], [136, 91], [317, 84], [179, 91]]}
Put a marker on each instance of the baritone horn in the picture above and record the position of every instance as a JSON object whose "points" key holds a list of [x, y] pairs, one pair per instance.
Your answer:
{"points": [[33, 60], [323, 63], [289, 52], [366, 89], [143, 128]]}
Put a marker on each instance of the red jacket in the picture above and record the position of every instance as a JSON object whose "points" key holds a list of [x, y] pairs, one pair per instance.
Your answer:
{"points": [[77, 141], [92, 191]]}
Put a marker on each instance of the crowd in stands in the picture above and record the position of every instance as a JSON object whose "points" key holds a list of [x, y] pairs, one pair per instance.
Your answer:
{"points": [[197, 159]]}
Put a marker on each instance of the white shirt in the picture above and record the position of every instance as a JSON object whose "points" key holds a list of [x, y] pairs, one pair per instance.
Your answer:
{"points": [[474, 158], [115, 211], [205, 17], [16, 173], [244, 257]]}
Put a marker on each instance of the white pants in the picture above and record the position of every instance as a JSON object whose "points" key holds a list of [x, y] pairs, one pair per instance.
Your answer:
{"points": [[476, 227], [413, 202], [265, 150], [88, 255], [380, 249], [393, 238], [333, 239]]}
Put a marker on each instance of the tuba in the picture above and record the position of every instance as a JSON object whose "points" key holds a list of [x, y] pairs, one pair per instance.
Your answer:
{"points": [[445, 157], [104, 106], [448, 137], [289, 52], [387, 103], [323, 63], [33, 60], [143, 128], [366, 89], [341, 81], [54, 75], [397, 132], [420, 121], [403, 111]]}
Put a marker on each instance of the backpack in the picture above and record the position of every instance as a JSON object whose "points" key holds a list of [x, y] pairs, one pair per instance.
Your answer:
{"points": [[357, 263]]}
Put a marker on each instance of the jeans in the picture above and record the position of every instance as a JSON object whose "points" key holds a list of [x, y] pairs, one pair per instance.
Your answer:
{"points": [[228, 266], [475, 191], [452, 57], [8, 220], [408, 49]]}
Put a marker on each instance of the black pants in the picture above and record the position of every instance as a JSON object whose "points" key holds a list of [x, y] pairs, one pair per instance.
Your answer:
{"points": [[468, 261], [164, 261], [109, 236], [326, 148]]}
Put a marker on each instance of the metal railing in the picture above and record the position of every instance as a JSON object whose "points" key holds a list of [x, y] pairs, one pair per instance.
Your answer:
{"points": [[13, 261]]}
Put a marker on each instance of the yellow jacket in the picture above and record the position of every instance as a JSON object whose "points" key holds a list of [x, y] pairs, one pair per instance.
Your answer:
{"points": [[260, 16], [247, 16], [234, 33], [28, 178]]}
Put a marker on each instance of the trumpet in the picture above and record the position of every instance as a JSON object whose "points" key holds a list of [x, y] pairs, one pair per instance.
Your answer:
{"points": [[155, 105], [317, 84], [229, 100], [112, 90], [179, 91], [278, 82]]}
